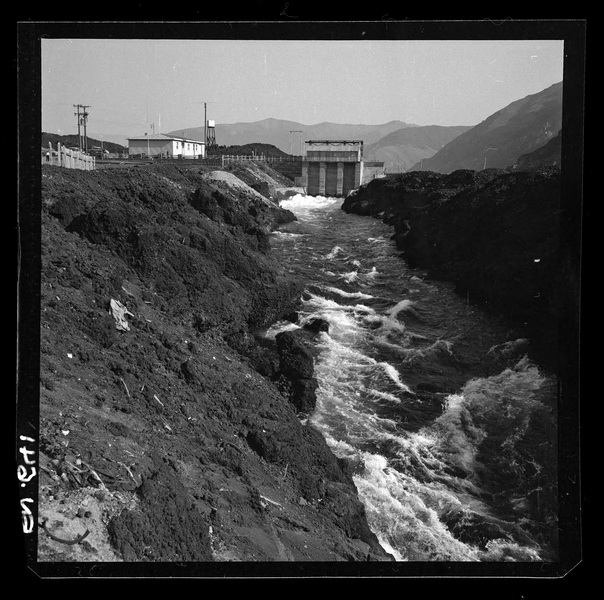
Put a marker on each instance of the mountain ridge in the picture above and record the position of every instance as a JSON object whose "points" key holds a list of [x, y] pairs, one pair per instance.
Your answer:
{"points": [[283, 133], [499, 141], [401, 149], [519, 128]]}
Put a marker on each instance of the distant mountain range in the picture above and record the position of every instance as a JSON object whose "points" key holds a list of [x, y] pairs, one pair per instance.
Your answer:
{"points": [[398, 144], [288, 135], [402, 148], [515, 136], [499, 141]]}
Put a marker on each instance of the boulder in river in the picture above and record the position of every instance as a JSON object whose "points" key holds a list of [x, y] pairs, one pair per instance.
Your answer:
{"points": [[296, 364]]}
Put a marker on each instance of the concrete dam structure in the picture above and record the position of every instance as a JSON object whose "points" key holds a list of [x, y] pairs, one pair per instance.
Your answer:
{"points": [[332, 167]]}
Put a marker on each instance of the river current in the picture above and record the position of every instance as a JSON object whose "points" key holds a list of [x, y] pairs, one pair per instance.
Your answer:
{"points": [[454, 460]]}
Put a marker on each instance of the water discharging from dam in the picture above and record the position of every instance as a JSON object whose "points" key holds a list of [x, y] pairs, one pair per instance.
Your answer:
{"points": [[451, 465]]}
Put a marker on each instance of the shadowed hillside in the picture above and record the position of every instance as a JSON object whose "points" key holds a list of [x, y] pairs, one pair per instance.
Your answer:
{"points": [[403, 148], [498, 142]]}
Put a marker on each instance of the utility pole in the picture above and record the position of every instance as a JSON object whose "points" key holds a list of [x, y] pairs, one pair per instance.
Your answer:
{"points": [[79, 135], [82, 120], [85, 117], [290, 140]]}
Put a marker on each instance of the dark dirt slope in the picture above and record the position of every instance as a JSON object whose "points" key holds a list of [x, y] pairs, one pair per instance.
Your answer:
{"points": [[495, 234], [162, 438]]}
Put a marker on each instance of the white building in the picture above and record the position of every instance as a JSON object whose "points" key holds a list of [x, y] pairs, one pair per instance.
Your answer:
{"points": [[165, 146]]}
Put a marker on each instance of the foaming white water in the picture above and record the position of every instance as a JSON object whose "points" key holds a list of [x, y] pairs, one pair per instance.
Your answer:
{"points": [[279, 327], [405, 523], [345, 329], [340, 414], [505, 551], [350, 277], [402, 512], [302, 201], [422, 471], [372, 273], [335, 251], [506, 402], [412, 354], [287, 234], [340, 361], [317, 302], [398, 307], [405, 501], [390, 324], [394, 375], [357, 295], [381, 395], [459, 437], [403, 509]]}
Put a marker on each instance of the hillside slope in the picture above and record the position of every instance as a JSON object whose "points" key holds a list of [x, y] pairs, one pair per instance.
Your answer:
{"points": [[403, 148], [168, 431], [72, 141], [549, 155], [498, 142]]}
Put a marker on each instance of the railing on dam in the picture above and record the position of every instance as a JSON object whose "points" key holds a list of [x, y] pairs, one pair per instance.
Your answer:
{"points": [[227, 158]]}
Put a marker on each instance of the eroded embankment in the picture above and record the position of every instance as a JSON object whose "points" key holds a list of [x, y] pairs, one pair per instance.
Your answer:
{"points": [[495, 234], [163, 430]]}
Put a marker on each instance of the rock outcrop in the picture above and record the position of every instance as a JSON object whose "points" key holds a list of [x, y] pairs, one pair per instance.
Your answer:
{"points": [[494, 233], [296, 365]]}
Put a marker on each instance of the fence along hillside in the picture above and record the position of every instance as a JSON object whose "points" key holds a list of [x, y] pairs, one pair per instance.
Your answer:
{"points": [[67, 158]]}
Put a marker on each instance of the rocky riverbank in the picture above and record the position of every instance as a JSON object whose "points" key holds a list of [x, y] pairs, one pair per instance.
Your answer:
{"points": [[495, 234], [168, 433]]}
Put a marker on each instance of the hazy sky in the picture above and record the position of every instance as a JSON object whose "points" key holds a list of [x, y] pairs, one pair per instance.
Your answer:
{"points": [[130, 84]]}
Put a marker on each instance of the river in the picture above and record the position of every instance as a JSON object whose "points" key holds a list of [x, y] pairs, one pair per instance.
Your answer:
{"points": [[450, 427]]}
